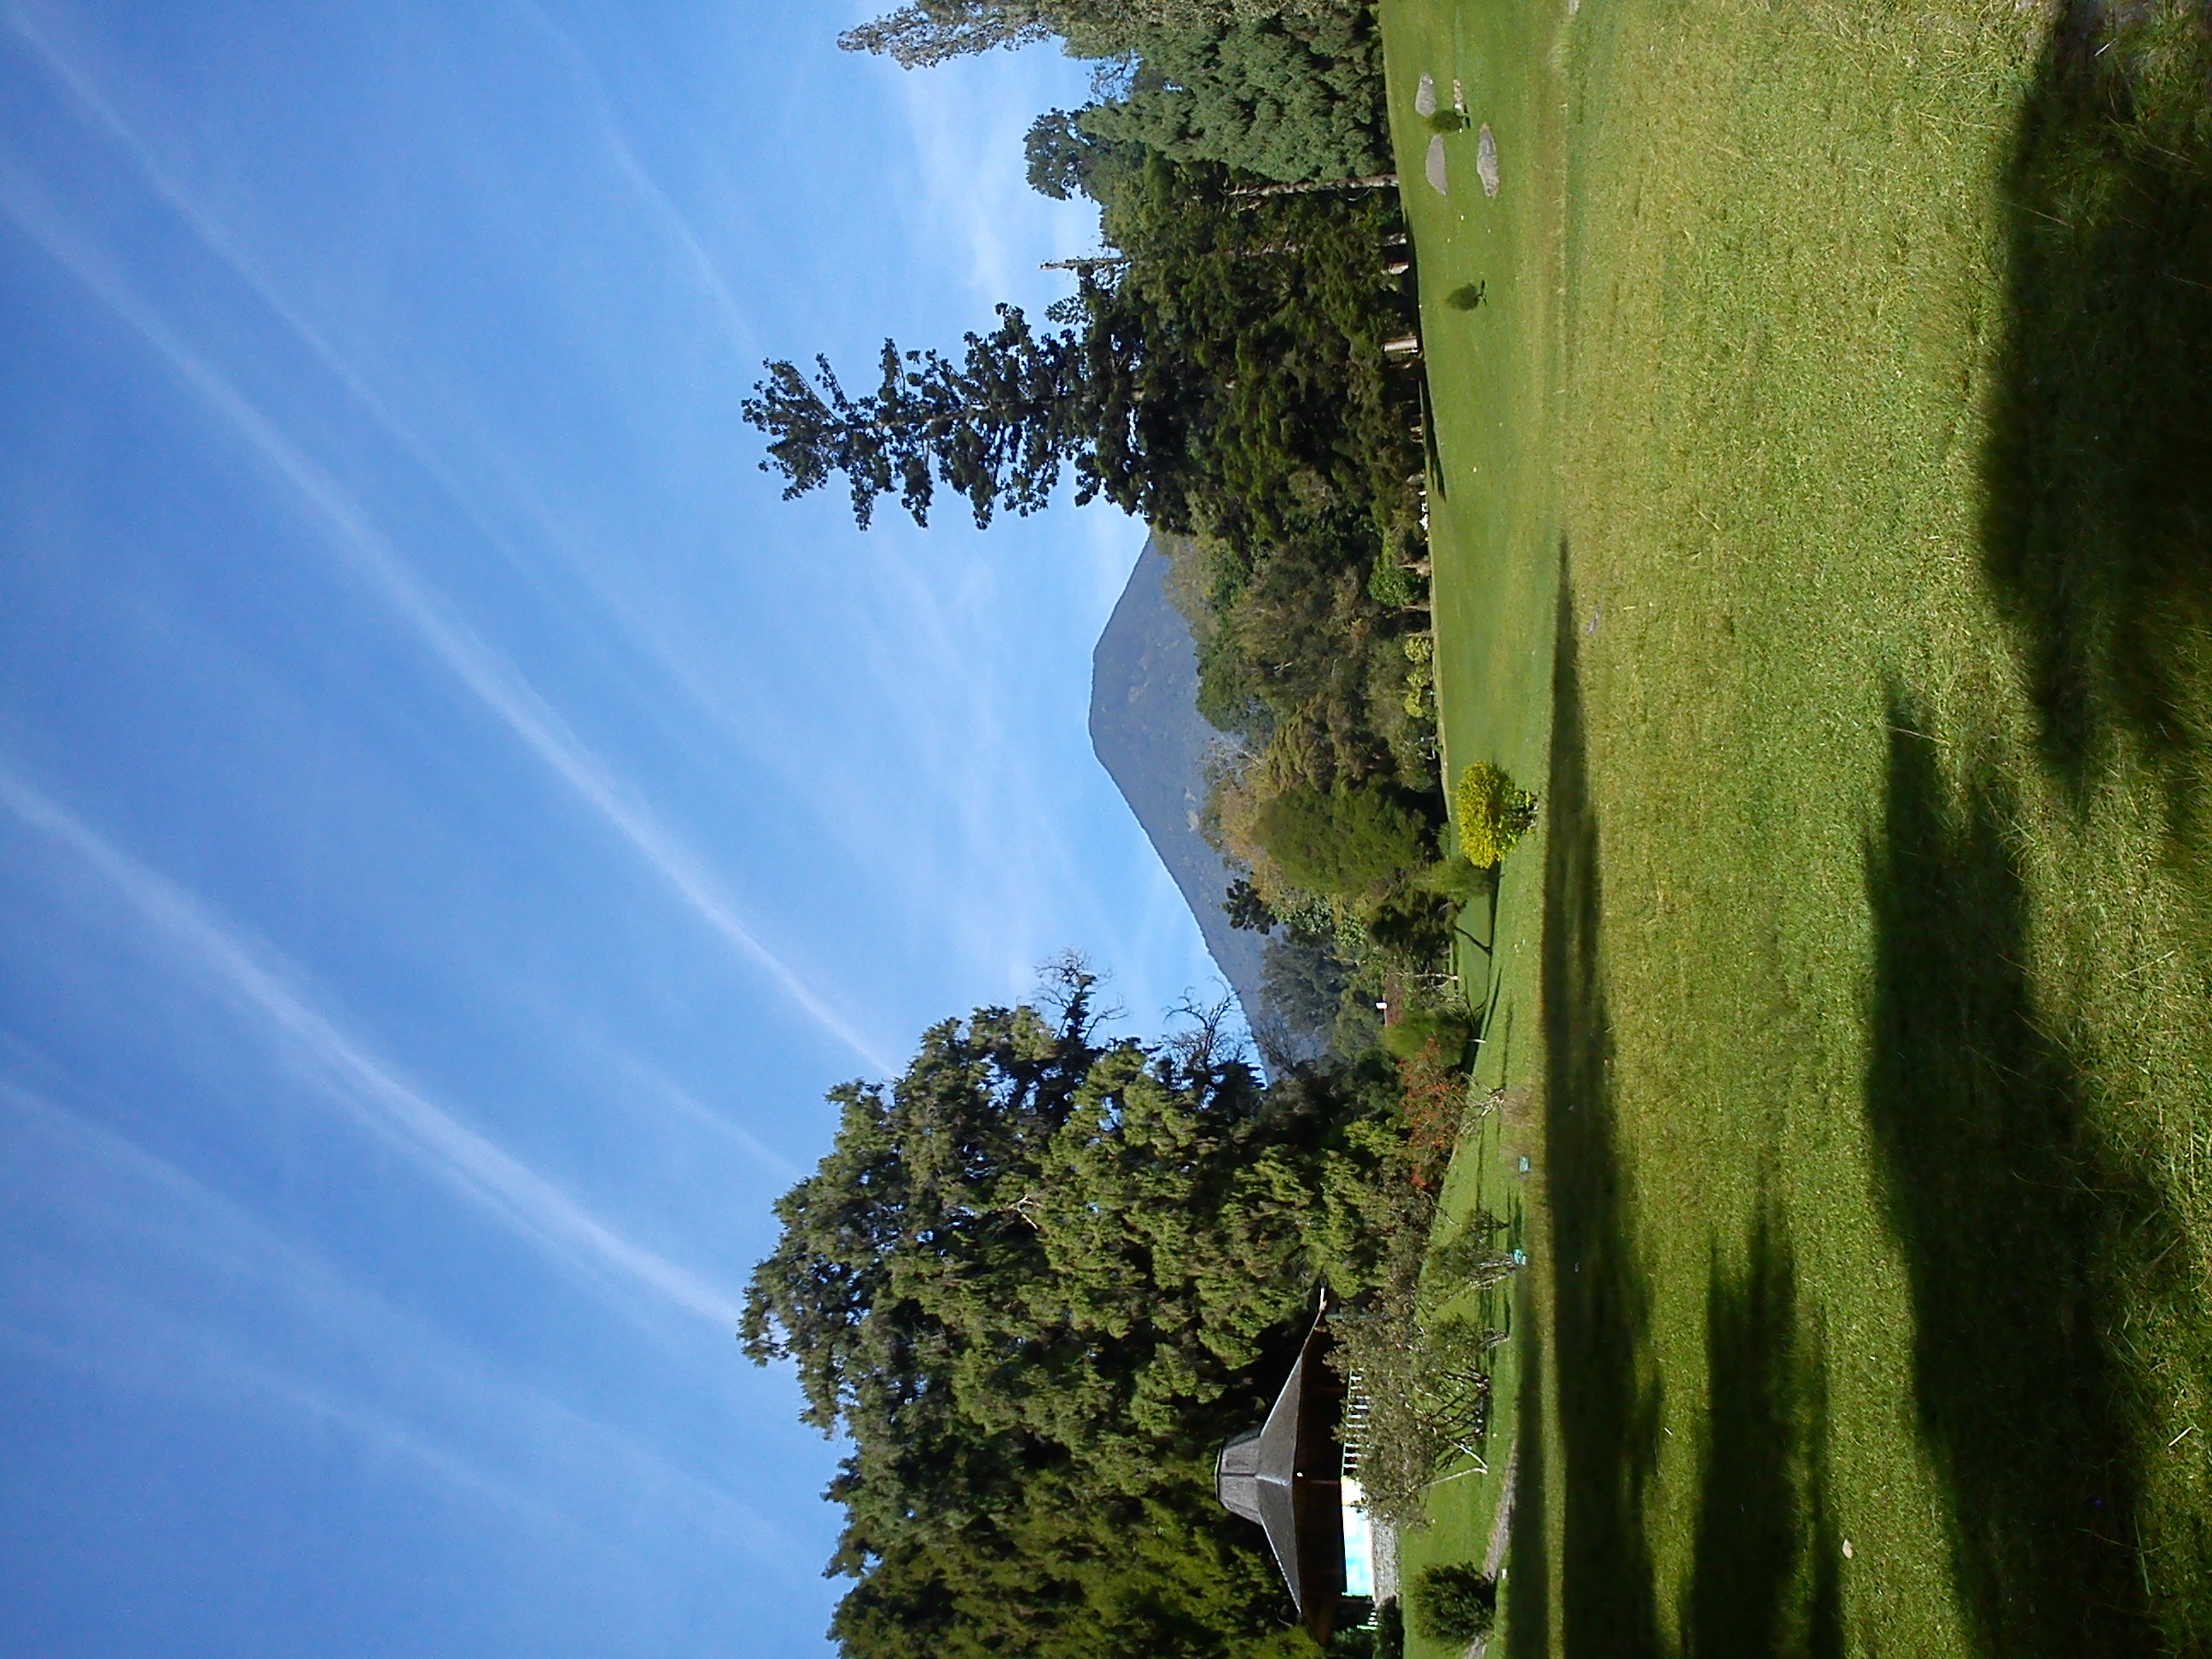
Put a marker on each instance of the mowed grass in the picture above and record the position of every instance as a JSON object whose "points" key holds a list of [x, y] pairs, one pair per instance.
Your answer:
{"points": [[1823, 524], [1491, 369]]}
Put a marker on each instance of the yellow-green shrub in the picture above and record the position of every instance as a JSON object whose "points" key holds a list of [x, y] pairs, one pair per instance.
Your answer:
{"points": [[1490, 813]]}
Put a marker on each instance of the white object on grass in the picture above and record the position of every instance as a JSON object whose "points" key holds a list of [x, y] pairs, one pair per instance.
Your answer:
{"points": [[1435, 166]]}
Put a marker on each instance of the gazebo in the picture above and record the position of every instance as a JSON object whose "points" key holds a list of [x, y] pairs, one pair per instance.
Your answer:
{"points": [[1287, 1474]]}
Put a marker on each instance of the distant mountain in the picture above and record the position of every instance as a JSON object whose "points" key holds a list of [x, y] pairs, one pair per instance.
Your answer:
{"points": [[1148, 734]]}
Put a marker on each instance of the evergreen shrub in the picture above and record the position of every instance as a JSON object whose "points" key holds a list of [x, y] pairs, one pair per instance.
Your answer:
{"points": [[1390, 1631], [1343, 843], [1492, 814], [1443, 1031], [1454, 1602]]}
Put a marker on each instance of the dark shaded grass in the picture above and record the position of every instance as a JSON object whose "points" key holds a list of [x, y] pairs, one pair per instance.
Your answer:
{"points": [[1528, 1578], [2016, 1221], [1608, 1388], [2022, 1064], [1765, 1577], [2100, 463]]}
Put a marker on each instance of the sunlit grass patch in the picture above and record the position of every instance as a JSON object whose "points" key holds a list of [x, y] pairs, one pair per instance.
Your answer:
{"points": [[1820, 527]]}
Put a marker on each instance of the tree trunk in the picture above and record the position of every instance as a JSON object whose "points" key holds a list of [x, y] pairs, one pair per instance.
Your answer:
{"points": [[1372, 181]]}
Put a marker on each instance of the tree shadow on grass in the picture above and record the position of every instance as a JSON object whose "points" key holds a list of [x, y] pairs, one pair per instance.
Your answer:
{"points": [[2099, 468], [1529, 1585], [1607, 1387], [2010, 1212], [1766, 1578]]}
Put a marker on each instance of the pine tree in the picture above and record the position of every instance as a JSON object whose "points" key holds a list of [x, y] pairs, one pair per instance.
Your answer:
{"points": [[1035, 1281], [1287, 99]]}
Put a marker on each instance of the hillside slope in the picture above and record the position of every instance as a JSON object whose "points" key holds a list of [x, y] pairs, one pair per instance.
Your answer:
{"points": [[1148, 734]]}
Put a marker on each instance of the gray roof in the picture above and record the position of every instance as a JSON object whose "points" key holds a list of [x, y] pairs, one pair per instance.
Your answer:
{"points": [[1286, 1473]]}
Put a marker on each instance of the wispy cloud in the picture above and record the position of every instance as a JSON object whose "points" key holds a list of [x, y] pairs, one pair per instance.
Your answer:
{"points": [[968, 121], [697, 262], [39, 29], [687, 1106], [494, 681], [398, 1389], [512, 482], [261, 985]]}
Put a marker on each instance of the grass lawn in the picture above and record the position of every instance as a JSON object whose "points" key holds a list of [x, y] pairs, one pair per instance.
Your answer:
{"points": [[1822, 518]]}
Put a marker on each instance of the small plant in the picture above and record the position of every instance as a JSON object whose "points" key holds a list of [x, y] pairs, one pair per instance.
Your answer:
{"points": [[1471, 1259], [1390, 583], [1492, 814], [1466, 298], [1454, 1602], [1448, 120], [1442, 1031], [1454, 879], [1390, 1631], [1420, 690]]}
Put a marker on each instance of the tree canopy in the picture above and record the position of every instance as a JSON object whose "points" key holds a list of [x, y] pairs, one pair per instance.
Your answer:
{"points": [[931, 32], [1036, 1280], [1224, 373], [1289, 99], [1220, 371]]}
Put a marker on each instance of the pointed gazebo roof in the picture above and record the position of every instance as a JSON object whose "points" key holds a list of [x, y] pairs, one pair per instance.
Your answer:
{"points": [[1287, 1476]]}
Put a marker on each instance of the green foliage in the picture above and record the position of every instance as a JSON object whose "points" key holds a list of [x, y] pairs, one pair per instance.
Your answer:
{"points": [[1348, 842], [1228, 377], [1034, 1281], [1282, 97], [1458, 878], [996, 426], [1491, 813], [1390, 1631], [937, 31], [1391, 583], [1454, 1602], [1272, 311], [1302, 981], [1062, 1573], [1420, 692], [931, 32], [1246, 909], [1067, 160], [1439, 1032], [1402, 699]]}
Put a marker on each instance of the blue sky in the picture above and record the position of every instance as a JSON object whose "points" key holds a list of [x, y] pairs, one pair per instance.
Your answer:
{"points": [[455, 820]]}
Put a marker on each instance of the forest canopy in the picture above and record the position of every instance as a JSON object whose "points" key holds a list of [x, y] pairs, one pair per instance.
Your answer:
{"points": [[1220, 371], [1043, 1274], [1036, 1280]]}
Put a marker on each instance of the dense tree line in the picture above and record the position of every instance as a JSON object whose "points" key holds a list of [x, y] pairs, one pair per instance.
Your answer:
{"points": [[1289, 90], [1040, 1275], [1035, 1282], [1220, 373]]}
